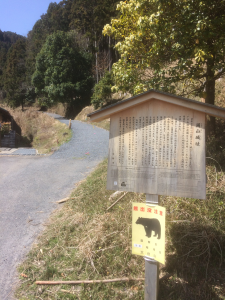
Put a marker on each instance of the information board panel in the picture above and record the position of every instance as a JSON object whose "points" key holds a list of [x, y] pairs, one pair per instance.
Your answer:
{"points": [[148, 231], [158, 148]]}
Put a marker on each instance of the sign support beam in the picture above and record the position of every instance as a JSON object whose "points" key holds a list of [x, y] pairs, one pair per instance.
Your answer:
{"points": [[151, 265]]}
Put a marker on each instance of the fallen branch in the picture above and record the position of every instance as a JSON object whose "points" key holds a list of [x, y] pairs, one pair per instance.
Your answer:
{"points": [[64, 200], [117, 201], [88, 281], [112, 196]]}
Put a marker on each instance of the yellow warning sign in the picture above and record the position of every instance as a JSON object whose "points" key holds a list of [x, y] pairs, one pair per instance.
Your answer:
{"points": [[148, 231]]}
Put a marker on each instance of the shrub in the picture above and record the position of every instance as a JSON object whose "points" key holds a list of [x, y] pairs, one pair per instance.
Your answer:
{"points": [[102, 91]]}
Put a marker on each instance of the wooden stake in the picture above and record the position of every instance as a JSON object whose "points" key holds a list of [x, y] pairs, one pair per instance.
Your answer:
{"points": [[70, 124], [117, 201], [117, 193], [88, 281], [64, 200]]}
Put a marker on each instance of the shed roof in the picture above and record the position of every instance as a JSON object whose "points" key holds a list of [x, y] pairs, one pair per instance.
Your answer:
{"points": [[4, 111], [106, 112]]}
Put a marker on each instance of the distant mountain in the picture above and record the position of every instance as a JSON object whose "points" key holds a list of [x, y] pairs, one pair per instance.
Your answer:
{"points": [[9, 37]]}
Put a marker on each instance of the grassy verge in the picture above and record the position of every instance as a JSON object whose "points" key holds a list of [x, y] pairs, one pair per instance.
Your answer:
{"points": [[50, 135], [39, 130], [82, 116], [85, 241]]}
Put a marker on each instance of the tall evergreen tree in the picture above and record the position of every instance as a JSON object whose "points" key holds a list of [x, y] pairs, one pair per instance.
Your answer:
{"points": [[83, 18], [15, 74], [87, 18], [63, 73], [7, 39]]}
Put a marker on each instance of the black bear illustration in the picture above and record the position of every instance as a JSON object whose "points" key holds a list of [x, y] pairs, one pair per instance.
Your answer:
{"points": [[150, 225]]}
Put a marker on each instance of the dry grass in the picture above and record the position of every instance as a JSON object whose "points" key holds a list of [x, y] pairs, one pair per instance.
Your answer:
{"points": [[59, 109], [82, 116], [50, 135], [220, 89], [84, 241], [105, 124], [39, 130]]}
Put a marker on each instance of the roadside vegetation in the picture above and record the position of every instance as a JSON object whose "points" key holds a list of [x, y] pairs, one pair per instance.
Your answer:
{"points": [[171, 46], [39, 130], [84, 240], [82, 116], [99, 102]]}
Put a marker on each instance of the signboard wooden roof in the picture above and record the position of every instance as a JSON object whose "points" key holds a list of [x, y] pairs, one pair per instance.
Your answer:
{"points": [[106, 112], [157, 144]]}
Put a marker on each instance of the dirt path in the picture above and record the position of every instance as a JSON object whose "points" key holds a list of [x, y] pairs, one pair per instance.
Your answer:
{"points": [[29, 188]]}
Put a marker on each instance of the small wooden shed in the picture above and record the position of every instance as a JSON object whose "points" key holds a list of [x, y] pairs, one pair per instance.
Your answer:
{"points": [[157, 144]]}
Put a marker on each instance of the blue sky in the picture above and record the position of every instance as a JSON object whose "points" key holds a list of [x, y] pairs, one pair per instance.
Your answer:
{"points": [[20, 15]]}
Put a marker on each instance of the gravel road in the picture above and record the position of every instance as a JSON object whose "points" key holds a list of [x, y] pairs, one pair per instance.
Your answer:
{"points": [[29, 188]]}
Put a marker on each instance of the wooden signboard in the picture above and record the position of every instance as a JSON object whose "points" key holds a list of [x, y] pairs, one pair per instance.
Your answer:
{"points": [[158, 148]]}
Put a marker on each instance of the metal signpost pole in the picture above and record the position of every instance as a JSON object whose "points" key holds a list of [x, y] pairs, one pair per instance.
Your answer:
{"points": [[151, 265]]}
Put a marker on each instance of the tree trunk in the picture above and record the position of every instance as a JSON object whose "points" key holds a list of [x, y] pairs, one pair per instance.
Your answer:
{"points": [[210, 93], [110, 60], [96, 59]]}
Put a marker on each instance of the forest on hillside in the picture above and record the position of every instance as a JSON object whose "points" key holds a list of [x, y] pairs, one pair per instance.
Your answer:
{"points": [[81, 51], [75, 28]]}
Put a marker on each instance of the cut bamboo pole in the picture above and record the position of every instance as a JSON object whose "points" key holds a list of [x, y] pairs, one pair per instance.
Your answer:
{"points": [[64, 200], [117, 201], [117, 193], [88, 281]]}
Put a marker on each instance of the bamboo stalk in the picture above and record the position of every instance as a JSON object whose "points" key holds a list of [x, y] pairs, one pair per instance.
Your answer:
{"points": [[64, 200], [88, 281], [117, 193], [117, 201]]}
